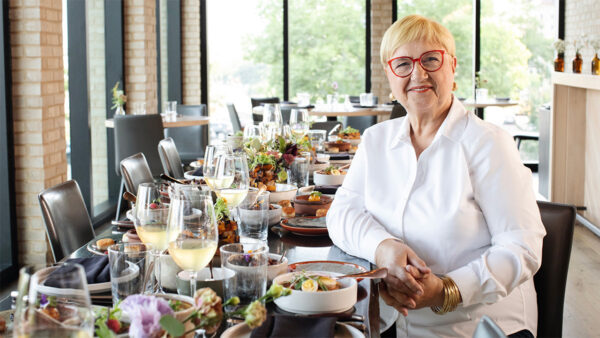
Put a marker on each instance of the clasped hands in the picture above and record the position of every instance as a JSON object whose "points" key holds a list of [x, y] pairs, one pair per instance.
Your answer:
{"points": [[410, 284]]}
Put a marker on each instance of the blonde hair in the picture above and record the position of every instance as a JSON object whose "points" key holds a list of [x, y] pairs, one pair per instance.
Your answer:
{"points": [[414, 28]]}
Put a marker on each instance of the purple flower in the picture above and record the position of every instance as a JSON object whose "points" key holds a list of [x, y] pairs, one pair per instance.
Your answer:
{"points": [[145, 313], [247, 258], [43, 300], [334, 85]]}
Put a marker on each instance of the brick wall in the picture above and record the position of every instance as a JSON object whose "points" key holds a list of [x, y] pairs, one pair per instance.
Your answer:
{"points": [[140, 54], [39, 117], [381, 19], [190, 51], [581, 17]]}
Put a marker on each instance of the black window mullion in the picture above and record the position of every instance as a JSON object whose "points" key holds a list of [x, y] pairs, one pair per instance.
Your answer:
{"points": [[368, 46], [174, 77], [286, 53], [158, 73], [203, 55]]}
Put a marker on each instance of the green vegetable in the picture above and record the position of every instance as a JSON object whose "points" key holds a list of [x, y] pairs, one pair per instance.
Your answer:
{"points": [[221, 209], [316, 193], [239, 133], [262, 159], [349, 130], [329, 169], [282, 175]]}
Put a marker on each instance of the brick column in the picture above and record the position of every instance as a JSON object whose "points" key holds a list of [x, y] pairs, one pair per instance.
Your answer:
{"points": [[39, 117], [140, 54], [190, 51], [381, 19]]}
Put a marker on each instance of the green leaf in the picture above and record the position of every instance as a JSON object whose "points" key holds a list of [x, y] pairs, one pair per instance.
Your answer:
{"points": [[282, 175], [172, 325]]}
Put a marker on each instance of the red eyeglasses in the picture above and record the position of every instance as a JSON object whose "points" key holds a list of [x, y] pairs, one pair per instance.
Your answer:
{"points": [[430, 61]]}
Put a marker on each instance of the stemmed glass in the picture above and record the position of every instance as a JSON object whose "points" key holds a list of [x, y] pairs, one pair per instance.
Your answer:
{"points": [[211, 155], [58, 305], [272, 121], [233, 178], [251, 132], [299, 122], [193, 231], [151, 223]]}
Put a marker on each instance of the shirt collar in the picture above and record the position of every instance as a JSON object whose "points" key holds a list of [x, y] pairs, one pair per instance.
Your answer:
{"points": [[452, 127]]}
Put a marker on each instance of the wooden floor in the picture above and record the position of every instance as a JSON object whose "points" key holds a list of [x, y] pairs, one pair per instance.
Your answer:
{"points": [[582, 299]]}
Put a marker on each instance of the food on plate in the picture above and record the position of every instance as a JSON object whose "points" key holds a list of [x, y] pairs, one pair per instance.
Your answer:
{"points": [[311, 282], [285, 203], [227, 226], [288, 212], [263, 172], [104, 243], [331, 170], [315, 196], [131, 236], [2, 325], [338, 146], [321, 212], [349, 133]]}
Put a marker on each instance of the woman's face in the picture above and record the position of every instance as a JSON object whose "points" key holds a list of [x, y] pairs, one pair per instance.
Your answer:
{"points": [[422, 91]]}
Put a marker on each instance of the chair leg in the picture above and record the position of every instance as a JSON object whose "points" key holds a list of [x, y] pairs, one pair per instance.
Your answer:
{"points": [[120, 200]]}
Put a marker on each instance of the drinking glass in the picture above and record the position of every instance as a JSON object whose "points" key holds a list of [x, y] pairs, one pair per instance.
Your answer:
{"points": [[303, 99], [272, 121], [366, 99], [211, 155], [139, 108], [193, 231], [249, 263], [130, 267], [231, 179], [151, 223], [298, 172], [251, 132], [317, 137], [61, 310], [170, 110], [254, 216], [299, 122]]}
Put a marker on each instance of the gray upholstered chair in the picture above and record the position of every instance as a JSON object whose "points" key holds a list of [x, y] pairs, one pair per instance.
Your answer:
{"points": [[191, 141], [360, 122], [135, 171], [234, 117], [68, 223], [551, 279], [326, 125], [169, 156], [259, 101]]}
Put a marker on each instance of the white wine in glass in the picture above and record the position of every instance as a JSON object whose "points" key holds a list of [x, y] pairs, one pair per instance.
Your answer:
{"points": [[211, 155], [299, 123], [236, 168]]}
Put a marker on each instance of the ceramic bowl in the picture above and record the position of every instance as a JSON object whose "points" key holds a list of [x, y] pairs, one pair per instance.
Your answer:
{"points": [[283, 192], [340, 146], [323, 157], [304, 207], [321, 179], [276, 269], [168, 271], [203, 280], [320, 165], [303, 302], [253, 215]]}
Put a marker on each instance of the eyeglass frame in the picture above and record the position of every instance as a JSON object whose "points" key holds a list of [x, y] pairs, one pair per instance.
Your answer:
{"points": [[417, 59]]}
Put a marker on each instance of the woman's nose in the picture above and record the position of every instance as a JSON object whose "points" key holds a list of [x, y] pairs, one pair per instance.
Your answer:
{"points": [[418, 72]]}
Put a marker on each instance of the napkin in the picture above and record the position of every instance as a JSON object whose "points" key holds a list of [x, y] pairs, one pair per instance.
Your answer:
{"points": [[197, 172], [339, 157], [327, 189], [293, 326], [97, 270]]}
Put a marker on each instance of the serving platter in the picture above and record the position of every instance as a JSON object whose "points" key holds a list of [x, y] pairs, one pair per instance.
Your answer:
{"points": [[306, 225]]}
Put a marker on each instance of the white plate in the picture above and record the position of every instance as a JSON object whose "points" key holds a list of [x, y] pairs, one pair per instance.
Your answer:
{"points": [[342, 330], [188, 175], [93, 288]]}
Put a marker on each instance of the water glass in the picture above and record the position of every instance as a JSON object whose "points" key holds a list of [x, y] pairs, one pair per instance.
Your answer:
{"points": [[131, 266], [317, 137], [171, 110], [366, 99], [254, 217], [139, 108], [298, 172], [249, 263], [303, 99], [299, 122]]}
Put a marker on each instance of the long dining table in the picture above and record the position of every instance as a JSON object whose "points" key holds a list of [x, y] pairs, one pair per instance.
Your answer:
{"points": [[301, 249]]}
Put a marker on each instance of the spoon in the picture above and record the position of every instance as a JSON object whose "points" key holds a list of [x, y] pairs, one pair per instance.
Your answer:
{"points": [[171, 179], [377, 273], [260, 191], [282, 256]]}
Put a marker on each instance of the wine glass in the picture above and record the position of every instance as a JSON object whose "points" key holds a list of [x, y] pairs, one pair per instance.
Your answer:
{"points": [[272, 121], [299, 122], [211, 155], [151, 223], [58, 304], [193, 231], [233, 179], [251, 132]]}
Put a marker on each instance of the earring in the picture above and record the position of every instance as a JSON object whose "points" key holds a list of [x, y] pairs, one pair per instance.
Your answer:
{"points": [[392, 98], [454, 86]]}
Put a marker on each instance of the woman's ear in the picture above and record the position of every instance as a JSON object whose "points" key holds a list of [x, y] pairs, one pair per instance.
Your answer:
{"points": [[454, 64]]}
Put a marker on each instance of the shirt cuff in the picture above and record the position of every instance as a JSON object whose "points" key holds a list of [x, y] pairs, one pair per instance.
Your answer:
{"points": [[467, 282], [375, 236]]}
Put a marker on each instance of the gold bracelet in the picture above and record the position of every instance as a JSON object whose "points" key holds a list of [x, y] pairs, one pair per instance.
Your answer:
{"points": [[451, 297]]}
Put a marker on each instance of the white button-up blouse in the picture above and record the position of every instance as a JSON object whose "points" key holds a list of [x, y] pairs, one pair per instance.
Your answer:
{"points": [[466, 207]]}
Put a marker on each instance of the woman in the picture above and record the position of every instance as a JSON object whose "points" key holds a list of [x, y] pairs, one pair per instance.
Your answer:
{"points": [[441, 199]]}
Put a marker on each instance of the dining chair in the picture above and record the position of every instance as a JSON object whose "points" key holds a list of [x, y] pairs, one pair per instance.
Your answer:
{"points": [[259, 101], [67, 221], [397, 111], [234, 117], [551, 279], [135, 171], [191, 141], [169, 156], [533, 165], [487, 328], [360, 122], [326, 125]]}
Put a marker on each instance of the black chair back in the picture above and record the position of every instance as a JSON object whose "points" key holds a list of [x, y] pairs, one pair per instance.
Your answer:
{"points": [[397, 111], [135, 171], [258, 101], [169, 156], [138, 134], [326, 125], [234, 117], [286, 112], [68, 223], [551, 279], [360, 122], [191, 141]]}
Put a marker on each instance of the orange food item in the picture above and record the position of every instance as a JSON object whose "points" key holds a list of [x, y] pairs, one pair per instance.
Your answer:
{"points": [[288, 212], [321, 212], [51, 311], [285, 203], [314, 198]]}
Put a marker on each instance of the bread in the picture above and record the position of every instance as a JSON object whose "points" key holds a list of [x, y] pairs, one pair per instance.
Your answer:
{"points": [[285, 203], [103, 244], [288, 212], [321, 212]]}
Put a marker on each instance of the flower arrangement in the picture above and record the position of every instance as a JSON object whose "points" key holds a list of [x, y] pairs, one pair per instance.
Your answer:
{"points": [[559, 46], [119, 98], [579, 44], [152, 316], [595, 44]]}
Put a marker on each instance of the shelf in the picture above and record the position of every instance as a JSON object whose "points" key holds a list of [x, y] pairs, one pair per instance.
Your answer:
{"points": [[576, 80]]}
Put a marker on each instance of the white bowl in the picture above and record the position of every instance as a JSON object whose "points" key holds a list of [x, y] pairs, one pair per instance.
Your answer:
{"points": [[283, 192], [318, 166], [188, 175], [277, 269], [322, 179], [254, 215], [335, 301], [323, 157], [168, 271], [352, 141]]}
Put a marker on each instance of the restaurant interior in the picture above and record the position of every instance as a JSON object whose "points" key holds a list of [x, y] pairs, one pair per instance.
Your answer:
{"points": [[108, 103]]}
